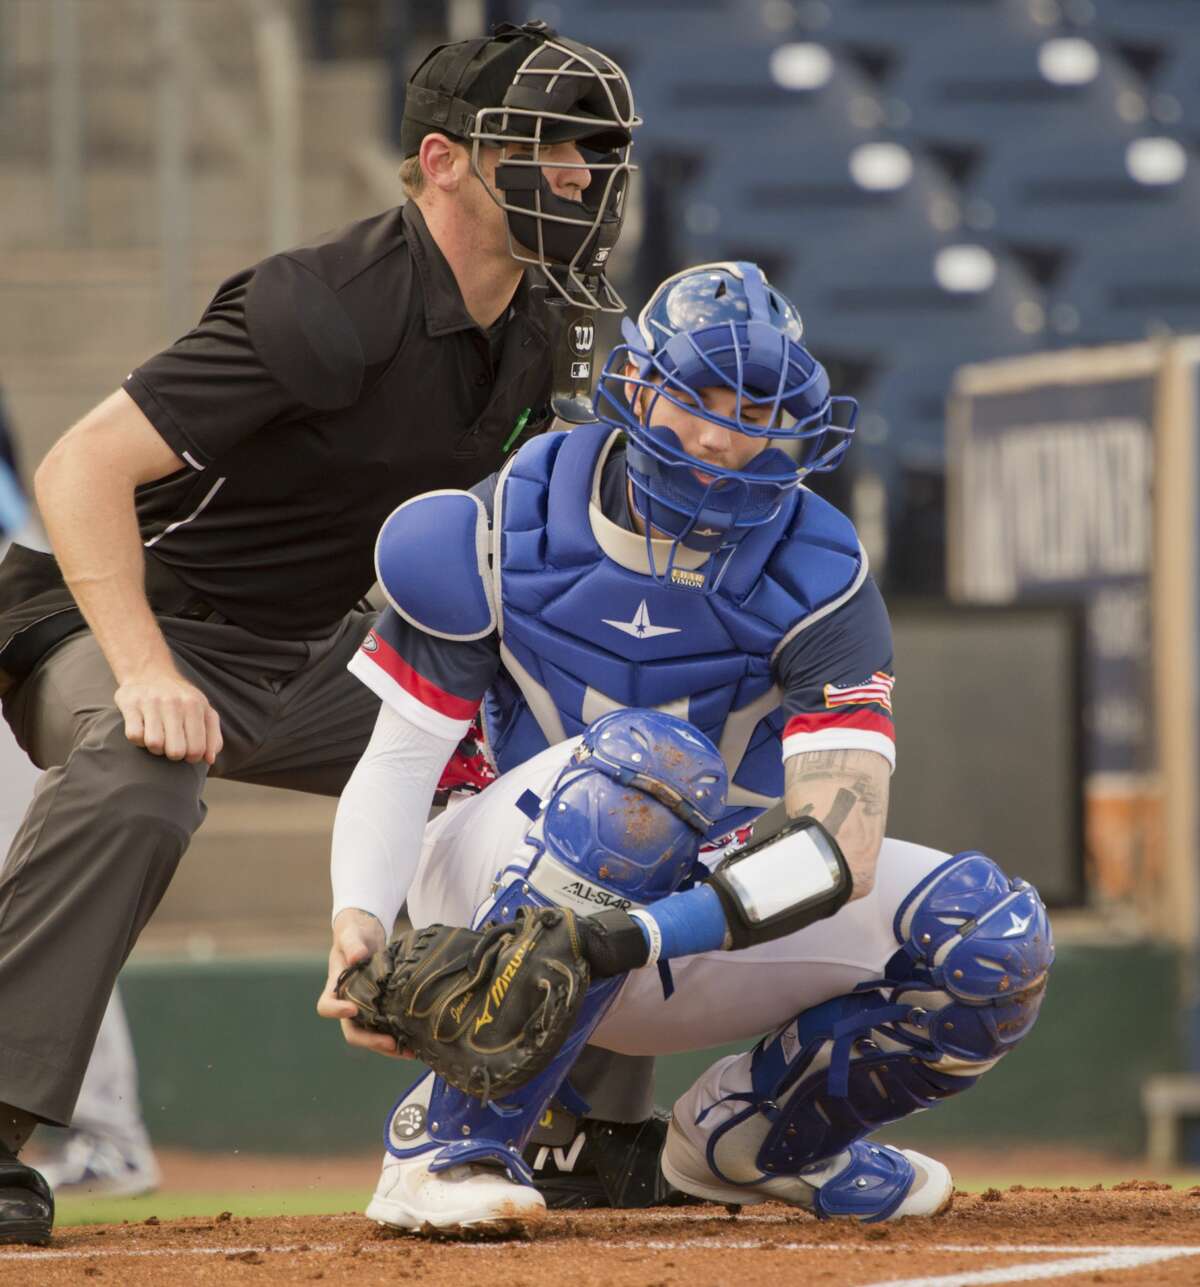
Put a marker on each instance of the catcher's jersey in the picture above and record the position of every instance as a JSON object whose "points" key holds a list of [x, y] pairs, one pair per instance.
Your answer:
{"points": [[792, 654]]}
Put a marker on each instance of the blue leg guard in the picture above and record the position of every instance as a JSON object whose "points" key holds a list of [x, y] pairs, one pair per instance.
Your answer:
{"points": [[964, 988], [623, 822], [462, 1128]]}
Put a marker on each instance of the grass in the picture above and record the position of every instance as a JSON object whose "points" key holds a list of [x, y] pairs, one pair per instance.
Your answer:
{"points": [[175, 1206], [318, 1200]]}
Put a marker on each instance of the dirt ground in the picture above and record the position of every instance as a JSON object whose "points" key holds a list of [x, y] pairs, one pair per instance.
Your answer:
{"points": [[190, 1172], [1138, 1232]]}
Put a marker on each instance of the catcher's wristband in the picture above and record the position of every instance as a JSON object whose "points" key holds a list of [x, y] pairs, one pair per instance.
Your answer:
{"points": [[614, 943], [653, 935]]}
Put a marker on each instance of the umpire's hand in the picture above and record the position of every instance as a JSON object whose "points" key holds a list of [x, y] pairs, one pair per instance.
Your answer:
{"points": [[169, 716], [356, 935]]}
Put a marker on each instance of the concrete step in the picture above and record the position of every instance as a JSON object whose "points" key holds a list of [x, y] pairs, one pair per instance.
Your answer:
{"points": [[343, 103], [121, 204], [72, 324], [340, 103], [124, 33], [120, 116]]}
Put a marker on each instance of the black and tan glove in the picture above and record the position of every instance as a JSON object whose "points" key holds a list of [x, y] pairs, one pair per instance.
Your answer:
{"points": [[487, 1010]]}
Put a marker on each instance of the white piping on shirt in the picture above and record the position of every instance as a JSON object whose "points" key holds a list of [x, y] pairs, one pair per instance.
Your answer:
{"points": [[180, 522]]}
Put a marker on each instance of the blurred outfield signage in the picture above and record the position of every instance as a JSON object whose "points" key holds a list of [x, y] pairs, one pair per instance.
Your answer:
{"points": [[1072, 478]]}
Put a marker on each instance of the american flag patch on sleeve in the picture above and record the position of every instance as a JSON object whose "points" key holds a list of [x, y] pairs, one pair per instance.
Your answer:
{"points": [[877, 690]]}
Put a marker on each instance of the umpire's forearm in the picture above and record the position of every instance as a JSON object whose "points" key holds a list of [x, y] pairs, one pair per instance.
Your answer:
{"points": [[85, 492]]}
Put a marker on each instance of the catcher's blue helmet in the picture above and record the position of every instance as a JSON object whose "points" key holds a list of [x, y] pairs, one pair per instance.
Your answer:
{"points": [[720, 325]]}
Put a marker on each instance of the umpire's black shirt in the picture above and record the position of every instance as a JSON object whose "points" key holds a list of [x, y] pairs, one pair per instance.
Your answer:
{"points": [[321, 388]]}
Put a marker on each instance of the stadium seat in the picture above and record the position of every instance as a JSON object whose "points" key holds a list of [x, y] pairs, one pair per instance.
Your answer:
{"points": [[718, 99], [907, 410], [877, 196], [1175, 89], [962, 302], [1136, 22], [1117, 191], [892, 26], [1109, 296], [650, 30], [963, 94]]}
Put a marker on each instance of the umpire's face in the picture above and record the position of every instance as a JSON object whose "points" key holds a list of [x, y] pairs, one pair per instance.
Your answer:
{"points": [[563, 169]]}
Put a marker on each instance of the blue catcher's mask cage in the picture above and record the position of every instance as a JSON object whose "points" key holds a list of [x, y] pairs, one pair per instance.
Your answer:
{"points": [[720, 326]]}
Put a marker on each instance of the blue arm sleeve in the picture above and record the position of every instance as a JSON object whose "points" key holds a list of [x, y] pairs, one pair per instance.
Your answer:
{"points": [[686, 923]]}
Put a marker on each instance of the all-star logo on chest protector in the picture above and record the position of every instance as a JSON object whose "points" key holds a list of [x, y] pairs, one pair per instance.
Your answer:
{"points": [[640, 627]]}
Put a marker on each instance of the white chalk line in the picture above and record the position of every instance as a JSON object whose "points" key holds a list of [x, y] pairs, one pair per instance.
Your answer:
{"points": [[1121, 1258], [38, 1254]]}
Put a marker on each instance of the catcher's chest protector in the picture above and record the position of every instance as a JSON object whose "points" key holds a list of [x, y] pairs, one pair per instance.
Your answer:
{"points": [[585, 629]]}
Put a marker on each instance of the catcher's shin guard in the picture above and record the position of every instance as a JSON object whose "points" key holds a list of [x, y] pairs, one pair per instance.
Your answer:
{"points": [[623, 822], [457, 1128], [964, 988]]}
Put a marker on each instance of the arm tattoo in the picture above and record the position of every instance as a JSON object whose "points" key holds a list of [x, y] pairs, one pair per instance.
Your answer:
{"points": [[843, 803], [848, 791]]}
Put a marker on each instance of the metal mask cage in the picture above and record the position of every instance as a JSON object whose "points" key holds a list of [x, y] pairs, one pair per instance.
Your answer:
{"points": [[817, 425], [576, 281]]}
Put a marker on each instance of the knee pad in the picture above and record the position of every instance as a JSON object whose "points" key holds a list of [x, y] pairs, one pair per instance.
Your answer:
{"points": [[963, 989], [626, 817]]}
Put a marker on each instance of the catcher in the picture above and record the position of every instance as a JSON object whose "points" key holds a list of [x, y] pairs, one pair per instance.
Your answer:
{"points": [[667, 558]]}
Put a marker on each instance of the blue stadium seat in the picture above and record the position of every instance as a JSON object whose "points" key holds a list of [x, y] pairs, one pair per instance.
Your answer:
{"points": [[1137, 22], [896, 25], [962, 94], [1091, 193], [906, 412], [876, 196], [665, 24], [717, 99], [1108, 296], [959, 303], [1175, 89]]}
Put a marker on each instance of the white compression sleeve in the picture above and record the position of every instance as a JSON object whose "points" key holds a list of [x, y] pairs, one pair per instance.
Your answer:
{"points": [[381, 816]]}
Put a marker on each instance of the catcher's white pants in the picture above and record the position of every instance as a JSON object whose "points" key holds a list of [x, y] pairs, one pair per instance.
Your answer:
{"points": [[719, 996]]}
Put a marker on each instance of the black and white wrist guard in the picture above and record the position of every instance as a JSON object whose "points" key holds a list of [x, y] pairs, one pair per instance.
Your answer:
{"points": [[782, 883]]}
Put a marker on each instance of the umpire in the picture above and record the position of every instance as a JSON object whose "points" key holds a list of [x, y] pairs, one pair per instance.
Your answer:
{"points": [[213, 523]]}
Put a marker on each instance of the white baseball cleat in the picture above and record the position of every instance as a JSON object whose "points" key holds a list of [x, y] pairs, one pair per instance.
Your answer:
{"points": [[867, 1182], [410, 1196]]}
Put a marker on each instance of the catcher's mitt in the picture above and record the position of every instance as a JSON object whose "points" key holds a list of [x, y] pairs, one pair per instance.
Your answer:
{"points": [[486, 1010]]}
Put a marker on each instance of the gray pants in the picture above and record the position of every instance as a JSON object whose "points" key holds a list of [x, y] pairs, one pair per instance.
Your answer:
{"points": [[109, 822]]}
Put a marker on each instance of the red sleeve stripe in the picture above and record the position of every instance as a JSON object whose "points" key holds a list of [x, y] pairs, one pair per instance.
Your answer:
{"points": [[858, 717], [424, 690]]}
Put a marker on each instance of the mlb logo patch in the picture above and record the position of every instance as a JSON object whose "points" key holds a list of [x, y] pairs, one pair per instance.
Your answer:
{"points": [[877, 690]]}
